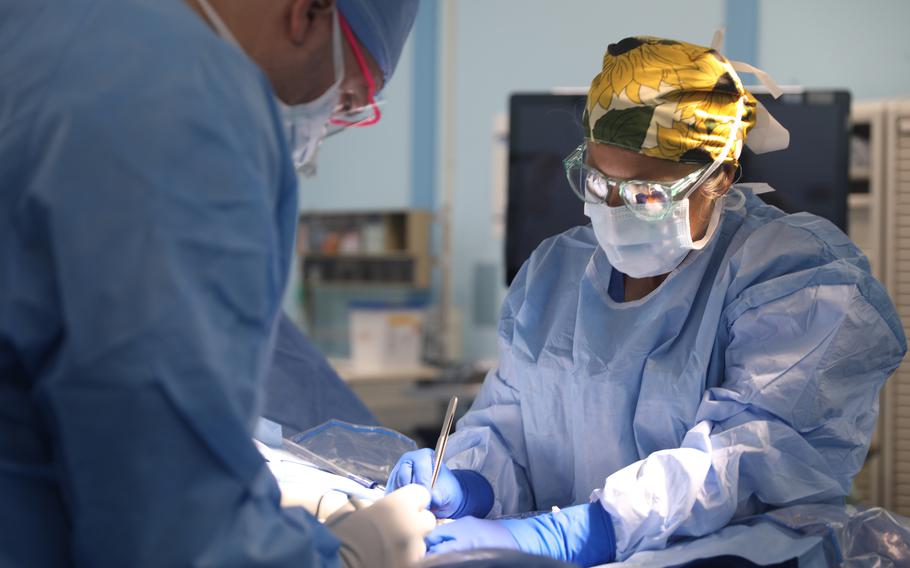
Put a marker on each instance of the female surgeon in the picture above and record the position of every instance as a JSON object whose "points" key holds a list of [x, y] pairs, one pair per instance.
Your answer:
{"points": [[691, 357]]}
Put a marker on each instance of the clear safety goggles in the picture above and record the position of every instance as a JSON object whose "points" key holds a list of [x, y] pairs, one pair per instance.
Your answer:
{"points": [[649, 200], [356, 117], [368, 114]]}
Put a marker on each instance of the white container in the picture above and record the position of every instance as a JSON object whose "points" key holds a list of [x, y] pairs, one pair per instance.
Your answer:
{"points": [[373, 237], [386, 337]]}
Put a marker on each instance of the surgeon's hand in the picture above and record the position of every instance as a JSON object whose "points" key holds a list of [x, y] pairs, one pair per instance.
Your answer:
{"points": [[469, 533], [582, 535], [387, 534], [448, 495]]}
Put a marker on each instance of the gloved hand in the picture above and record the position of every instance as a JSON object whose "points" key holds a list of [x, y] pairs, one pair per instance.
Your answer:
{"points": [[468, 533], [457, 493], [581, 535], [387, 534]]}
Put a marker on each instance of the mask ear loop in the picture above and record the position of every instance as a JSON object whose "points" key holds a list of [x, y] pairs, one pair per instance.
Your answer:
{"points": [[215, 20], [739, 174], [719, 206]]}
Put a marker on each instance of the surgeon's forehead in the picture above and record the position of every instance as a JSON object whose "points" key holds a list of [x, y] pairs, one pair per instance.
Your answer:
{"points": [[620, 163]]}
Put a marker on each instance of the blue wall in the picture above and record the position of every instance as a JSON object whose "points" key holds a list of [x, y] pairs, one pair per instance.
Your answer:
{"points": [[862, 46], [369, 168]]}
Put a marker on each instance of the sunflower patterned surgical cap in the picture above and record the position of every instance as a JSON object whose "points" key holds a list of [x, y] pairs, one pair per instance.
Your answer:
{"points": [[670, 100]]}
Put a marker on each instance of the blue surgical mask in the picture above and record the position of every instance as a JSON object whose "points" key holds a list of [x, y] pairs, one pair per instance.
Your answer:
{"points": [[640, 248]]}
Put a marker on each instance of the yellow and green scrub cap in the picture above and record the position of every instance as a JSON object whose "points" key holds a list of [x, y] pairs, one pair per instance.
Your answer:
{"points": [[670, 100]]}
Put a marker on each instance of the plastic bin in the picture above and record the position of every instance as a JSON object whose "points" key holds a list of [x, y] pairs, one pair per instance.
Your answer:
{"points": [[386, 336]]}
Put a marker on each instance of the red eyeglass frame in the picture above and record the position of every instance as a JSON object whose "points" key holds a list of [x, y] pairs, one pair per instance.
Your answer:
{"points": [[365, 70]]}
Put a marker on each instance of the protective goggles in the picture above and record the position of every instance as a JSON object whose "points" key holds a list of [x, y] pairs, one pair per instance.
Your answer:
{"points": [[649, 200], [368, 114]]}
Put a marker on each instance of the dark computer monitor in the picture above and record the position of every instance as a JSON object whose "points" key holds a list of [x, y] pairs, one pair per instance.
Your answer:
{"points": [[543, 129], [811, 175]]}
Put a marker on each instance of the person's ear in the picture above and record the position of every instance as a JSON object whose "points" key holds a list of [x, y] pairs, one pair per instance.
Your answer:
{"points": [[725, 182], [302, 14], [718, 184]]}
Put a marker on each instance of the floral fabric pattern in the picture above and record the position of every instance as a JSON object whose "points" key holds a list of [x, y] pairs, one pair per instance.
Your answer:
{"points": [[668, 99]]}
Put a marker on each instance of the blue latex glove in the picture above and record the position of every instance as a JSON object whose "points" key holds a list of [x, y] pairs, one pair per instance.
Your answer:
{"points": [[582, 535], [457, 493], [469, 533]]}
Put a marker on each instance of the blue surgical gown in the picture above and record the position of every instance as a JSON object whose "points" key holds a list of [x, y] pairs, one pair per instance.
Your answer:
{"points": [[147, 215], [748, 379], [303, 391]]}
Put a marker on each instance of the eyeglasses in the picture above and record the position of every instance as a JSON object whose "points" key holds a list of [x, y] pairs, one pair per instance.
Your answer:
{"points": [[649, 200], [368, 114]]}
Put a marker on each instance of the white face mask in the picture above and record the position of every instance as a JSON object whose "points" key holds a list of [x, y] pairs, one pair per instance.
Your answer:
{"points": [[304, 124], [640, 248]]}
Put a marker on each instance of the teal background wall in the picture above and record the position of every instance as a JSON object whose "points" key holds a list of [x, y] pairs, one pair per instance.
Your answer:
{"points": [[861, 46]]}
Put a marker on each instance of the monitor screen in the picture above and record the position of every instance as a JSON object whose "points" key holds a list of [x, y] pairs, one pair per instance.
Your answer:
{"points": [[811, 175], [543, 130]]}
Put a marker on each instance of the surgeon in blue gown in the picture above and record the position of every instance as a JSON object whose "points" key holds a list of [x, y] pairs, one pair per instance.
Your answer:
{"points": [[692, 357], [147, 216]]}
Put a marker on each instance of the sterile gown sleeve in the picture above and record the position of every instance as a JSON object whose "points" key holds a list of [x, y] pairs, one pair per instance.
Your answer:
{"points": [[804, 356], [169, 218], [302, 390], [490, 438]]}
